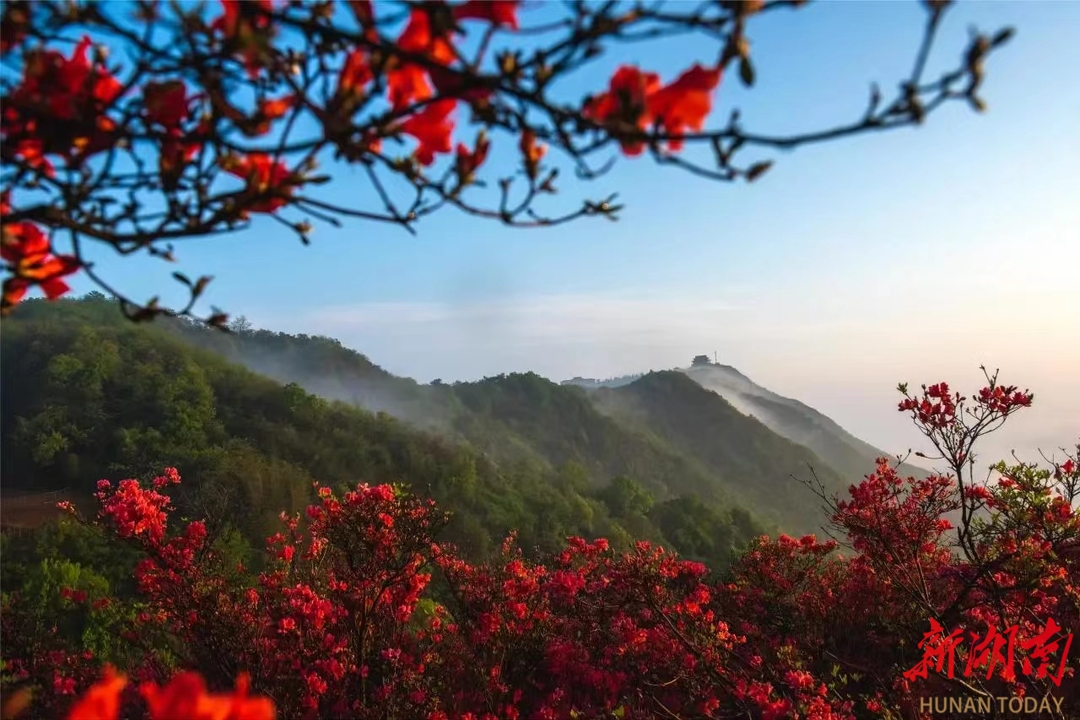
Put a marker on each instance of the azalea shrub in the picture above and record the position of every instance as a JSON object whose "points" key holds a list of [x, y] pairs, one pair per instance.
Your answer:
{"points": [[932, 586], [129, 126]]}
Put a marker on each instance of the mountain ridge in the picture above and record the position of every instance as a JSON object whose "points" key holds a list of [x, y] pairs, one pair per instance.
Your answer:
{"points": [[788, 417], [537, 427], [763, 468]]}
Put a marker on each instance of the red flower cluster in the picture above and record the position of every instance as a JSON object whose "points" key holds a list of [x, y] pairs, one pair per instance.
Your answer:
{"points": [[246, 28], [635, 102], [185, 696], [269, 184], [30, 260], [60, 107], [1002, 400], [936, 409]]}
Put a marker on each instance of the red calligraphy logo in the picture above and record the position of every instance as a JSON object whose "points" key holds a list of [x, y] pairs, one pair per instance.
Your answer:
{"points": [[995, 652], [938, 652]]}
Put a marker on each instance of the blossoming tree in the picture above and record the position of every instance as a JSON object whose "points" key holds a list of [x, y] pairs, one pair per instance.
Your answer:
{"points": [[139, 124]]}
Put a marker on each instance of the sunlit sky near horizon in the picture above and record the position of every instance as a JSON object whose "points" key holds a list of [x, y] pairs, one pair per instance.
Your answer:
{"points": [[915, 255]]}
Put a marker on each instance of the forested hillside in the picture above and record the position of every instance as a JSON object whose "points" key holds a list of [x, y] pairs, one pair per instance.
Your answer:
{"points": [[794, 420], [761, 468], [89, 396], [835, 447], [527, 420]]}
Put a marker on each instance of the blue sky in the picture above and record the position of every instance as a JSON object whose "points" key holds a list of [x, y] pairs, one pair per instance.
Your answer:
{"points": [[915, 255]]}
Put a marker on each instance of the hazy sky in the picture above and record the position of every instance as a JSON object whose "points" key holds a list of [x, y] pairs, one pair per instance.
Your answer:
{"points": [[910, 256]]}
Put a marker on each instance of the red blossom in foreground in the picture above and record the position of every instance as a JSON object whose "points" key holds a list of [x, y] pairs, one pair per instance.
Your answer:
{"points": [[532, 151], [407, 82], [355, 74], [468, 161], [14, 24], [246, 27], [625, 103], [184, 696], [28, 253], [266, 178], [635, 101], [166, 103], [500, 13], [60, 107], [102, 700], [685, 103], [433, 128]]}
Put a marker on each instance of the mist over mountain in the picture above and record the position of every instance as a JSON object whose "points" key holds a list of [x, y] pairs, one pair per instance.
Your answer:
{"points": [[793, 420], [760, 468], [789, 418], [324, 367], [517, 418], [510, 417]]}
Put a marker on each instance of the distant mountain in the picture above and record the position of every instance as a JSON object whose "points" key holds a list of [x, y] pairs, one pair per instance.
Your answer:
{"points": [[794, 420], [592, 384], [836, 447], [760, 468], [525, 418]]}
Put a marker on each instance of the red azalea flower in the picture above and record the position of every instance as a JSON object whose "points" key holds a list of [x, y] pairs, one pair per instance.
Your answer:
{"points": [[500, 13], [102, 700], [686, 102], [166, 103], [432, 127], [408, 82], [185, 696], [263, 175]]}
